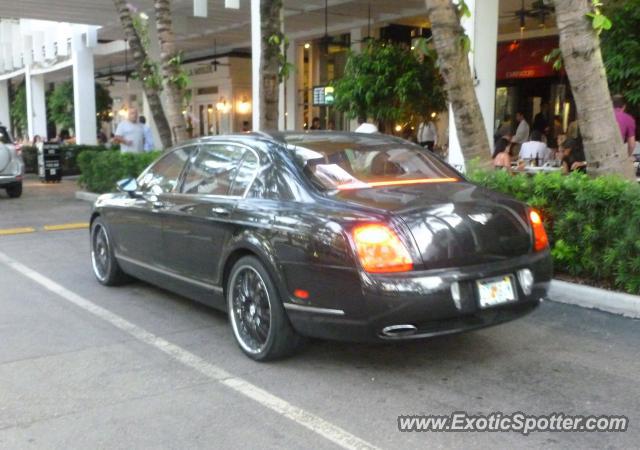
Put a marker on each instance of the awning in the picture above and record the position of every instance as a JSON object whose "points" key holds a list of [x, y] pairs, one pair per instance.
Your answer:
{"points": [[524, 59]]}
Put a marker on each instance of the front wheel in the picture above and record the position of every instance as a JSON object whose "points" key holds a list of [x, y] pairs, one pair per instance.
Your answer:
{"points": [[105, 266], [260, 324]]}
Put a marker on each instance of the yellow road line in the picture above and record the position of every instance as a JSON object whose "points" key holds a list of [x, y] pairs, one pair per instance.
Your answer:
{"points": [[67, 226], [10, 231]]}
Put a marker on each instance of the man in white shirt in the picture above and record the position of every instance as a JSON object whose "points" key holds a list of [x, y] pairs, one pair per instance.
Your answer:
{"points": [[130, 134], [427, 134], [522, 133], [535, 148]]}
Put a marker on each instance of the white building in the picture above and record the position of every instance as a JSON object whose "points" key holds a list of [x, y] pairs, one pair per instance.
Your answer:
{"points": [[88, 44]]}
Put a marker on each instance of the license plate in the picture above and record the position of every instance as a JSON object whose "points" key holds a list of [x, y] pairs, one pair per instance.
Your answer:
{"points": [[495, 291]]}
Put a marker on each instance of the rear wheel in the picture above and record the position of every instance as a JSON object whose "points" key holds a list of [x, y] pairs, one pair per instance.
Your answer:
{"points": [[105, 266], [260, 324], [14, 190]]}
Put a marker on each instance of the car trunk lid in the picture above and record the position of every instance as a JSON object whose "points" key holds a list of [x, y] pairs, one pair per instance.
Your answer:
{"points": [[453, 224]]}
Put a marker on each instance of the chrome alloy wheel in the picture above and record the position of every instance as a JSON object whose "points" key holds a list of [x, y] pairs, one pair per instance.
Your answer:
{"points": [[100, 256], [250, 307]]}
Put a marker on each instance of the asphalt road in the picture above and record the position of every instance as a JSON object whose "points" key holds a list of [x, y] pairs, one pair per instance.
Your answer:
{"points": [[73, 376]]}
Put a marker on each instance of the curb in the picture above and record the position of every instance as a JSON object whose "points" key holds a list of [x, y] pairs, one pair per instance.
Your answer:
{"points": [[595, 298], [86, 196]]}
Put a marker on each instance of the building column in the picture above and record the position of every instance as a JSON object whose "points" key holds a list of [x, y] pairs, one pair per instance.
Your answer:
{"points": [[36, 106], [483, 61], [356, 47], [5, 117], [256, 56], [292, 87], [84, 92]]}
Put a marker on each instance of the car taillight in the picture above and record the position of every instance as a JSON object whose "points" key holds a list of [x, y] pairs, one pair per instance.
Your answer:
{"points": [[540, 239], [380, 250]]}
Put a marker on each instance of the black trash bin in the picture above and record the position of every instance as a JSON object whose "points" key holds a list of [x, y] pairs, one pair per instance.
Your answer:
{"points": [[50, 162]]}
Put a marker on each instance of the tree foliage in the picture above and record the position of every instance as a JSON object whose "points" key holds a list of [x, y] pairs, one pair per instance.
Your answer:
{"points": [[60, 108], [390, 82], [621, 50], [18, 110]]}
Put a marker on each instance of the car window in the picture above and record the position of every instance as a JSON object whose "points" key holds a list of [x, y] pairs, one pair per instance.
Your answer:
{"points": [[246, 174], [270, 184], [213, 170], [336, 164], [164, 175]]}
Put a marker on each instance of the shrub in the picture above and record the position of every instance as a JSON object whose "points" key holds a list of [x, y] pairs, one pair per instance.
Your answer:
{"points": [[593, 223], [69, 157], [101, 170]]}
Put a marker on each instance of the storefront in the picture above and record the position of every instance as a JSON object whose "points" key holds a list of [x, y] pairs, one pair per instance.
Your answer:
{"points": [[525, 82]]}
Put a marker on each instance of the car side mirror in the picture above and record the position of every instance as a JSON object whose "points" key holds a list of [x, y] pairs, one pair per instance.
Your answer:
{"points": [[128, 185]]}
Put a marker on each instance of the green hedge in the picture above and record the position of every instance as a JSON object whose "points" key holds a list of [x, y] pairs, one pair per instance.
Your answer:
{"points": [[593, 223], [69, 157], [101, 170]]}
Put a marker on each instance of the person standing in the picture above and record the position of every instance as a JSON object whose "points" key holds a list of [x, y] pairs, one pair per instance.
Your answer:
{"points": [[540, 122], [147, 135], [427, 134], [130, 134], [522, 133], [626, 122]]}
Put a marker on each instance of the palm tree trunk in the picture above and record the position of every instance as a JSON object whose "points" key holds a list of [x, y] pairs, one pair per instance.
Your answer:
{"points": [[580, 48], [170, 70], [139, 58], [454, 67], [270, 13]]}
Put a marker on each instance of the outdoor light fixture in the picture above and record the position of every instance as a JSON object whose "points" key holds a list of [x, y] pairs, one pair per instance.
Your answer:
{"points": [[243, 106], [222, 106], [398, 128], [307, 45]]}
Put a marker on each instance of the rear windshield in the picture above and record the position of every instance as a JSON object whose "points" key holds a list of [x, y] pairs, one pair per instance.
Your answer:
{"points": [[341, 164], [5, 137]]}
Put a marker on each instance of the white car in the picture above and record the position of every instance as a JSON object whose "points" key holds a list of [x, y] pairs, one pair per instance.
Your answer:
{"points": [[11, 165]]}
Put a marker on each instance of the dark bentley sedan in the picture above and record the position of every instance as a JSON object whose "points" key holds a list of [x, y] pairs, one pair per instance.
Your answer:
{"points": [[331, 235]]}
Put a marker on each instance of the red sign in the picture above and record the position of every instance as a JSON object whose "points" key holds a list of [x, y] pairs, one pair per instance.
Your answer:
{"points": [[525, 59]]}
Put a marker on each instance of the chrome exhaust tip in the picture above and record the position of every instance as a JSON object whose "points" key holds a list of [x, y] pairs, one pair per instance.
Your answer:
{"points": [[399, 330]]}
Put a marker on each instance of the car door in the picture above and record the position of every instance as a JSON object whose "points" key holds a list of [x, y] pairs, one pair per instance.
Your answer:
{"points": [[199, 218], [137, 224]]}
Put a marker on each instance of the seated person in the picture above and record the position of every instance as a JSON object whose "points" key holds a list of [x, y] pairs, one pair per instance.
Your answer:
{"points": [[535, 148], [573, 159], [502, 154]]}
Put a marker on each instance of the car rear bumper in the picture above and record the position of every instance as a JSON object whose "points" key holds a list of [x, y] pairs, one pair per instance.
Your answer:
{"points": [[421, 305], [10, 179]]}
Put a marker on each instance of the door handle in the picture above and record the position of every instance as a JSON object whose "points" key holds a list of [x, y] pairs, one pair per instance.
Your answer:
{"points": [[158, 204], [219, 211]]}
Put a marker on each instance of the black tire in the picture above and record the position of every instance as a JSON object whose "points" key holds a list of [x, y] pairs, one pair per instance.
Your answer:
{"points": [[247, 306], [103, 261], [14, 190]]}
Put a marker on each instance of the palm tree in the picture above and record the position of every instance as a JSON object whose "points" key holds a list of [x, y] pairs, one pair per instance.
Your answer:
{"points": [[171, 72], [453, 61], [144, 69], [271, 25], [580, 46]]}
